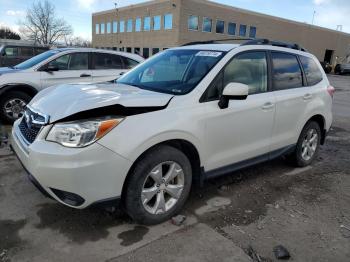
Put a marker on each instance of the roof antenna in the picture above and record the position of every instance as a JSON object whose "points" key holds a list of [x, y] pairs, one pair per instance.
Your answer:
{"points": [[313, 18]]}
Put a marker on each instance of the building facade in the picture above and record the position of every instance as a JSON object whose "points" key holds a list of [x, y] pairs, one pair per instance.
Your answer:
{"points": [[150, 27]]}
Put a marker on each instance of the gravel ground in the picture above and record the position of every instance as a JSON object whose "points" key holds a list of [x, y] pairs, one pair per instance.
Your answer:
{"points": [[306, 210]]}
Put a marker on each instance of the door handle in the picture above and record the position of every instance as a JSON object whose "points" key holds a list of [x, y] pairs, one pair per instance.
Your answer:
{"points": [[85, 75], [307, 97], [267, 106]]}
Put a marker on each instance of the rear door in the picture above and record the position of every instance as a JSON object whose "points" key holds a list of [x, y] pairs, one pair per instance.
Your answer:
{"points": [[292, 97], [106, 67], [25, 52], [73, 68]]}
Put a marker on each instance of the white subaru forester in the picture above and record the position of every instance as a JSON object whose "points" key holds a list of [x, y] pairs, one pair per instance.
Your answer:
{"points": [[187, 114]]}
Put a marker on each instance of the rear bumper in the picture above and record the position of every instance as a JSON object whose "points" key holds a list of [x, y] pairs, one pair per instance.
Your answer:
{"points": [[78, 177]]}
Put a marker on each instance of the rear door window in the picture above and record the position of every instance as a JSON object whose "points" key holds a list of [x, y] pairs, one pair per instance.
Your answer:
{"points": [[107, 61], [129, 63], [312, 71], [287, 73], [26, 51]]}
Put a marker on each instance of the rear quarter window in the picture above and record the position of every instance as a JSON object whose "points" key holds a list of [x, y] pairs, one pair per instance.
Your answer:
{"points": [[312, 72]]}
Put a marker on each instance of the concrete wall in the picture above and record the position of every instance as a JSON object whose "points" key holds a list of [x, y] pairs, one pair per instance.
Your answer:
{"points": [[149, 39], [313, 38]]}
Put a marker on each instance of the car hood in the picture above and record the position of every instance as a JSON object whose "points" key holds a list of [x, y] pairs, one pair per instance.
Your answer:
{"points": [[6, 70], [62, 101]]}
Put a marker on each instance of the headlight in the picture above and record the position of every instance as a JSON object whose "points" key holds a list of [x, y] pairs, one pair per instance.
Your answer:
{"points": [[81, 133]]}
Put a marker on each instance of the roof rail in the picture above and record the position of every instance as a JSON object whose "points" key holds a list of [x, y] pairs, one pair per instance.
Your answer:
{"points": [[274, 43], [250, 41], [217, 41]]}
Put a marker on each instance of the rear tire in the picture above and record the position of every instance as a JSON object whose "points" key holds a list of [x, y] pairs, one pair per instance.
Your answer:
{"points": [[146, 197], [12, 105], [307, 146]]}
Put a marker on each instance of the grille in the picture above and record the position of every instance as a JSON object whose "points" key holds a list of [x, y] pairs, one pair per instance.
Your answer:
{"points": [[28, 133], [31, 124]]}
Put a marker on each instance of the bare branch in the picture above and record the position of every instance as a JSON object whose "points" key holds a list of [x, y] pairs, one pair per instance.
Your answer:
{"points": [[42, 26]]}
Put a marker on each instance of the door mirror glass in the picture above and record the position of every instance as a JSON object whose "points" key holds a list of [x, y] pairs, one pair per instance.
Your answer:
{"points": [[233, 91]]}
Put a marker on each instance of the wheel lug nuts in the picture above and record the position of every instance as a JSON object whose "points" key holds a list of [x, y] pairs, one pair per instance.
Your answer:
{"points": [[158, 185]]}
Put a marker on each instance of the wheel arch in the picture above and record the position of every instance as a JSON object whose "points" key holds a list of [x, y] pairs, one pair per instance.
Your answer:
{"points": [[20, 87], [321, 121], [186, 147]]}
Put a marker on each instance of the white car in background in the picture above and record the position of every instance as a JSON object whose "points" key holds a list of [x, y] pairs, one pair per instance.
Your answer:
{"points": [[19, 84]]}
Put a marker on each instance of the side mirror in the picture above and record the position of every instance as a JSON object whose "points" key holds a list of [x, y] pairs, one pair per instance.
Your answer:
{"points": [[51, 68], [233, 91]]}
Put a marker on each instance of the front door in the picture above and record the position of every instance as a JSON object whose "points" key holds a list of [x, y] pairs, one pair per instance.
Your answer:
{"points": [[72, 68], [243, 130]]}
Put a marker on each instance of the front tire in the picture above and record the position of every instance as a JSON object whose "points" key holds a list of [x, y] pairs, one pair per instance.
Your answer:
{"points": [[12, 105], [158, 186], [308, 145]]}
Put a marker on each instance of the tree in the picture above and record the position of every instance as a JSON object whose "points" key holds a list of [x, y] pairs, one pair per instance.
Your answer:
{"points": [[7, 33], [76, 41], [42, 26]]}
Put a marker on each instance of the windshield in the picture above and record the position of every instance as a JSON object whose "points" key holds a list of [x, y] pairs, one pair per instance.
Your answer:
{"points": [[173, 71], [36, 59]]}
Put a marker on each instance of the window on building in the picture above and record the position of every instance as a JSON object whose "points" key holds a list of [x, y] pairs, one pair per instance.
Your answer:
{"points": [[138, 24], [97, 29], [77, 61], [168, 21], [106, 61], [155, 51], [312, 72], [137, 50], [122, 26], [128, 49], [252, 32], [109, 28], [286, 71], [102, 28], [129, 26], [207, 24], [147, 24], [156, 22], [145, 52], [231, 29], [115, 27], [220, 27], [242, 30], [193, 22], [115, 48], [121, 49]]}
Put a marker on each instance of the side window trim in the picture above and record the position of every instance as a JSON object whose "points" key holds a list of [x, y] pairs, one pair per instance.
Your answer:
{"points": [[305, 83], [203, 98]]}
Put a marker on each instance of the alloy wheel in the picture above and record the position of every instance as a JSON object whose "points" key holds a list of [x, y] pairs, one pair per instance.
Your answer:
{"points": [[309, 145], [14, 108], [163, 188]]}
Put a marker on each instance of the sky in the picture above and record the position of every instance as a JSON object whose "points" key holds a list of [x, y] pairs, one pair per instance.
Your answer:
{"points": [[329, 13]]}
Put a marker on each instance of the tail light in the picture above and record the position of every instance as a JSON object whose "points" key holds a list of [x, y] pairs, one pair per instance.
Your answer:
{"points": [[331, 90]]}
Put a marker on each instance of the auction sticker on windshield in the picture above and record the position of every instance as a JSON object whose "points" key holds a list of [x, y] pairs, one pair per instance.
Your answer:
{"points": [[209, 53]]}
